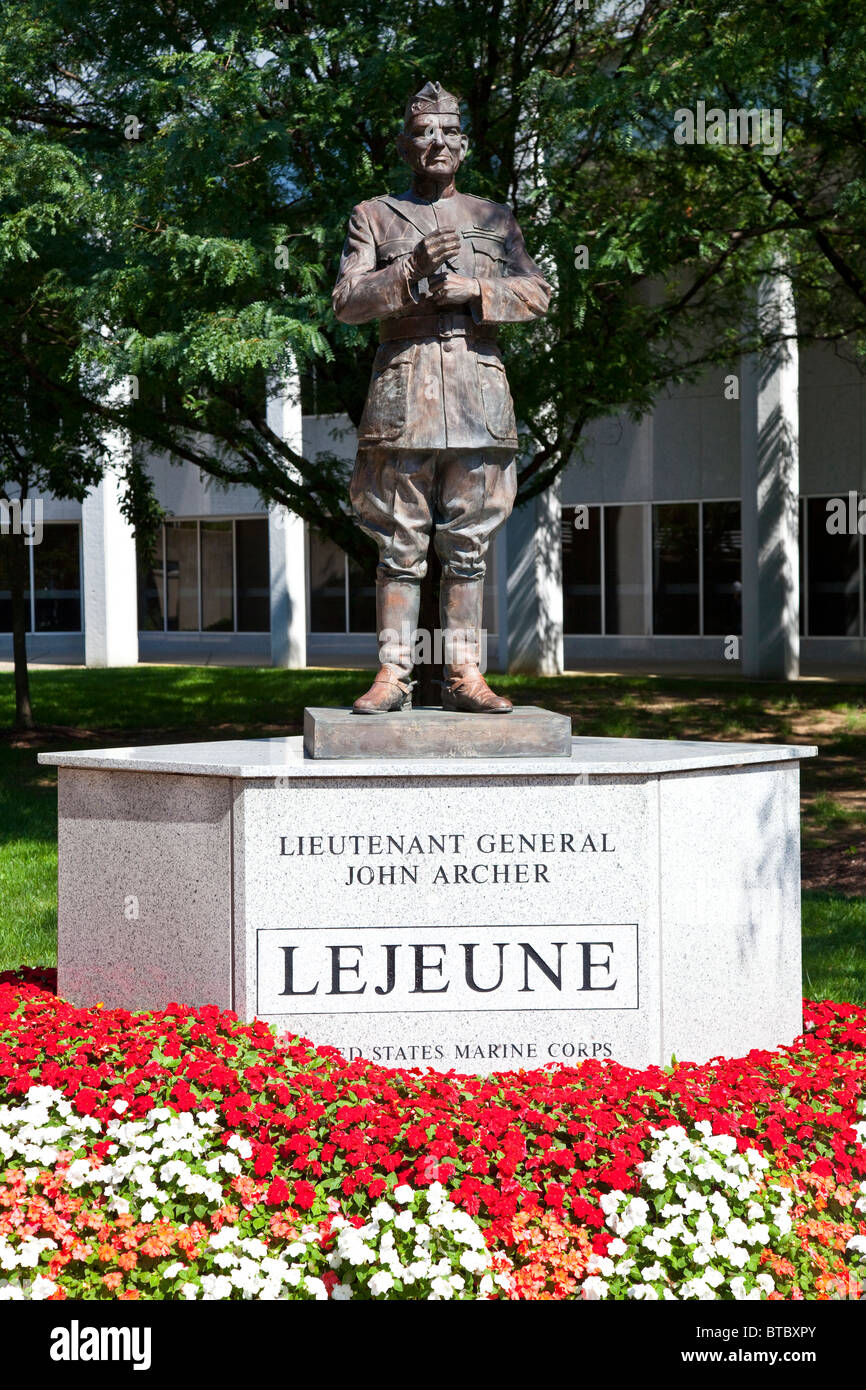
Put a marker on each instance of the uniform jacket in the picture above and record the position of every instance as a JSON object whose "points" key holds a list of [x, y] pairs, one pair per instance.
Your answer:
{"points": [[448, 389]]}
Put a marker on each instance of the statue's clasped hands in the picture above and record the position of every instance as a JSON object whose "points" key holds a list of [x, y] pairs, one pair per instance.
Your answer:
{"points": [[448, 288]]}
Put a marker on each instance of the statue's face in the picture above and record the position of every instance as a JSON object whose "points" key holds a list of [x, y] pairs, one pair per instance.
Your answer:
{"points": [[432, 145]]}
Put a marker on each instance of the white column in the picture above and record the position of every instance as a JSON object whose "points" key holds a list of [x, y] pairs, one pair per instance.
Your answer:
{"points": [[109, 578], [769, 446], [286, 540], [534, 586]]}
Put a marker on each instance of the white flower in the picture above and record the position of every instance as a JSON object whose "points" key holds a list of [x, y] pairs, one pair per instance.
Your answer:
{"points": [[440, 1288], [215, 1286], [404, 1221], [173, 1270], [119, 1106], [593, 1289], [382, 1212], [42, 1288], [857, 1244], [188, 1291], [474, 1262], [404, 1193], [341, 1293], [148, 1211], [243, 1147], [380, 1283]]}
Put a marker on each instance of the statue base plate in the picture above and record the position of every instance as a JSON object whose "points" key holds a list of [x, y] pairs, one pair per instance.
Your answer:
{"points": [[527, 732]]}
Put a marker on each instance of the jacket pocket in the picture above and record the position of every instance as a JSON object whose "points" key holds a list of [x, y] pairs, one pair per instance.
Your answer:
{"points": [[385, 410], [394, 248], [496, 397], [488, 249]]}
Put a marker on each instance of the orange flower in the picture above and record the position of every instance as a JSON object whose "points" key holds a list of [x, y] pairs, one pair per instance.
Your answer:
{"points": [[128, 1260], [129, 1294], [105, 1253], [224, 1216], [155, 1247], [112, 1280], [189, 1237], [281, 1227]]}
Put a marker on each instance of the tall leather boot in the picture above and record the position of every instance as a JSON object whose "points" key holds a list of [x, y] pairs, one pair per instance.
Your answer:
{"points": [[397, 604], [464, 688]]}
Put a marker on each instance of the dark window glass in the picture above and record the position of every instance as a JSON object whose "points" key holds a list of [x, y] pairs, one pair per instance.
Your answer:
{"points": [[624, 587], [57, 578], [581, 569], [328, 586], [676, 569], [253, 575], [362, 595], [801, 546], [151, 584], [834, 576], [723, 587], [5, 593], [217, 566], [181, 579]]}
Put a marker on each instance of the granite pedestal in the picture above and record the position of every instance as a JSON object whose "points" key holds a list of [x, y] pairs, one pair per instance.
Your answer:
{"points": [[635, 900]]}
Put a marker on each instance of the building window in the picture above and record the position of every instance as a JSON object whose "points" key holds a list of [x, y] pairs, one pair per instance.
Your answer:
{"points": [[676, 569], [181, 576], [6, 592], [833, 568], [625, 581], [581, 569], [327, 587], [54, 589], [342, 593], [217, 576], [206, 576], [252, 576], [722, 544], [694, 574]]}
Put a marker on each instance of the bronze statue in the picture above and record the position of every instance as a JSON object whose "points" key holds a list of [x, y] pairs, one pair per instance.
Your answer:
{"points": [[438, 437]]}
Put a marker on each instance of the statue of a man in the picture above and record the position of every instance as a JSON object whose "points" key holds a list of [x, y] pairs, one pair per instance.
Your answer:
{"points": [[438, 437]]}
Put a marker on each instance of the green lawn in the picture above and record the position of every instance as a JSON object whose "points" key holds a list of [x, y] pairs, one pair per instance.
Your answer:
{"points": [[80, 708]]}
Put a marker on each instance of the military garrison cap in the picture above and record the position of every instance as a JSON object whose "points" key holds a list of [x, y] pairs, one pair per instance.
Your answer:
{"points": [[432, 99]]}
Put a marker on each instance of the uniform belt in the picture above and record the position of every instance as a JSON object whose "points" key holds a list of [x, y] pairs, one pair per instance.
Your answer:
{"points": [[435, 326]]}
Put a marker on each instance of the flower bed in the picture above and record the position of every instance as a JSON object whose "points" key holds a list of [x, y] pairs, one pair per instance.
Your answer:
{"points": [[183, 1154]]}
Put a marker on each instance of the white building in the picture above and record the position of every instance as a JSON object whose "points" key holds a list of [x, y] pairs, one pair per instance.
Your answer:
{"points": [[637, 557]]}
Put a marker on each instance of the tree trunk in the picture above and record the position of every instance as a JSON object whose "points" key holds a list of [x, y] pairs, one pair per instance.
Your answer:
{"points": [[429, 674], [19, 577]]}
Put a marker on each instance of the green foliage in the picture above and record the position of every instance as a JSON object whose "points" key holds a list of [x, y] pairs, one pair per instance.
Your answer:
{"points": [[176, 182]]}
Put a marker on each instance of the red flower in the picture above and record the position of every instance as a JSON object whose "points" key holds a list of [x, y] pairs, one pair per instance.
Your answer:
{"points": [[305, 1195], [86, 1101], [278, 1193], [265, 1160]]}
